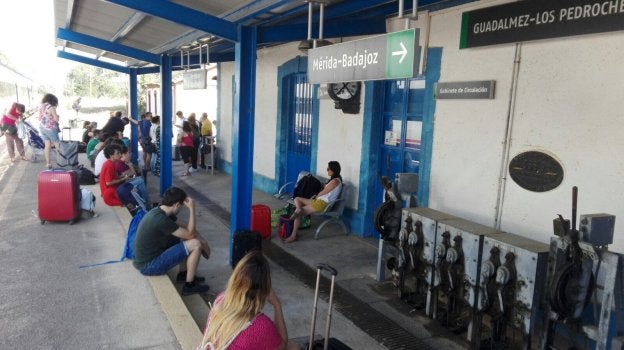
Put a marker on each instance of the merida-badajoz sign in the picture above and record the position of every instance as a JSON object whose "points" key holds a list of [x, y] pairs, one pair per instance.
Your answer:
{"points": [[388, 56], [539, 19]]}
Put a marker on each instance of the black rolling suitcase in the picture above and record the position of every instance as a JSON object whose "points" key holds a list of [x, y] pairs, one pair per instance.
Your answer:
{"points": [[244, 242], [67, 154], [326, 343]]}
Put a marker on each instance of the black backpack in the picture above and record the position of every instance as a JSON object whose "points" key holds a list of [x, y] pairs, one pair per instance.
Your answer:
{"points": [[195, 131], [307, 187], [85, 176]]}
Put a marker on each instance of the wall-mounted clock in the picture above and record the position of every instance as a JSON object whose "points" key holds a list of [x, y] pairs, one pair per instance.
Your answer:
{"points": [[347, 91], [346, 96]]}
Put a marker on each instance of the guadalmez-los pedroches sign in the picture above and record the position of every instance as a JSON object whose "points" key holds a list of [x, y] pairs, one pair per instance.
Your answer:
{"points": [[539, 19]]}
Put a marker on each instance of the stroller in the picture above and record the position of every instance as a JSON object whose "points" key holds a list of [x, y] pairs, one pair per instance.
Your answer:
{"points": [[34, 141]]}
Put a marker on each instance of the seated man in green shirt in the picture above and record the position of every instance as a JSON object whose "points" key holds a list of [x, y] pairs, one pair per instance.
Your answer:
{"points": [[162, 242], [92, 143]]}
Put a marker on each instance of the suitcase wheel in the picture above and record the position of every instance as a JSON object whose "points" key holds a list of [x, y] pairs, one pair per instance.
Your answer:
{"points": [[42, 222], [71, 222]]}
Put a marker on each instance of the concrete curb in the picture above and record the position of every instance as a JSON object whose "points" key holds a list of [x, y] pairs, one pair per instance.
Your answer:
{"points": [[182, 323]]}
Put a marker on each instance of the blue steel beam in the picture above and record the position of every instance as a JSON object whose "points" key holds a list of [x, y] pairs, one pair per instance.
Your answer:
{"points": [[134, 114], [183, 15], [374, 8], [370, 9], [335, 29], [221, 46], [194, 59], [348, 8], [247, 12], [92, 62], [214, 58], [91, 41], [148, 70], [345, 9], [166, 126], [243, 131]]}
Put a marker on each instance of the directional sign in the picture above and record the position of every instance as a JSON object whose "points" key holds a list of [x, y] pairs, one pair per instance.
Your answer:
{"points": [[388, 56]]}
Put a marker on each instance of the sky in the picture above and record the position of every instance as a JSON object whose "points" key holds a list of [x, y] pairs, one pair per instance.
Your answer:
{"points": [[28, 41]]}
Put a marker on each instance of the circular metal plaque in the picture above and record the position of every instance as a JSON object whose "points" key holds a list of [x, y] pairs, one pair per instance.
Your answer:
{"points": [[536, 171]]}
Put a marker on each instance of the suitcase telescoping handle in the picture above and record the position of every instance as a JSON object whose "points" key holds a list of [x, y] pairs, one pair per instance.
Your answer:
{"points": [[319, 268]]}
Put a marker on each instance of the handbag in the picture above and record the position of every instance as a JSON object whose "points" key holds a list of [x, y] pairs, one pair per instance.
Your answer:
{"points": [[9, 129], [206, 149], [21, 129]]}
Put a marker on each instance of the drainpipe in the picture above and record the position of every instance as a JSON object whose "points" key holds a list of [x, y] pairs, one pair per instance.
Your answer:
{"points": [[511, 109], [425, 46]]}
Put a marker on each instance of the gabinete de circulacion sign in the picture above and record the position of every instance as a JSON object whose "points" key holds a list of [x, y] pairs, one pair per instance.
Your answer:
{"points": [[388, 56]]}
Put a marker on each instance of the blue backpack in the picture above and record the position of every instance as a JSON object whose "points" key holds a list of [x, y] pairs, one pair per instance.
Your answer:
{"points": [[134, 225], [128, 253]]}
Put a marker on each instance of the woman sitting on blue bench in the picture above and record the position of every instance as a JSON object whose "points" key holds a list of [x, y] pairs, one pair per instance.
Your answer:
{"points": [[328, 194]]}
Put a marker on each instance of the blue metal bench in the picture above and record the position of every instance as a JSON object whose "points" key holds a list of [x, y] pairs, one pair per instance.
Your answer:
{"points": [[333, 211]]}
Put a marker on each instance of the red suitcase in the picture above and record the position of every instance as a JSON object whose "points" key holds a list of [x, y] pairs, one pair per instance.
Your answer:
{"points": [[261, 220], [58, 195]]}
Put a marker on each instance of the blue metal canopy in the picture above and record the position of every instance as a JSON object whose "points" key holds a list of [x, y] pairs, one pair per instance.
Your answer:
{"points": [[134, 33], [140, 36]]}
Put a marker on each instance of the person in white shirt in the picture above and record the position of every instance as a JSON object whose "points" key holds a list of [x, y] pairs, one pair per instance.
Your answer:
{"points": [[99, 161], [179, 122]]}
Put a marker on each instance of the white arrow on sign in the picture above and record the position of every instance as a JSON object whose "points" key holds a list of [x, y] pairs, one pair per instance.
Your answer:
{"points": [[403, 52]]}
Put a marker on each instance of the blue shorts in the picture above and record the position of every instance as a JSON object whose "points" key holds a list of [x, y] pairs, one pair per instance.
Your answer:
{"points": [[166, 261], [49, 135]]}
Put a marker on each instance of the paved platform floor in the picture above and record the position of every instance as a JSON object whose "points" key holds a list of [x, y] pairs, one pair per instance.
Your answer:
{"points": [[48, 301]]}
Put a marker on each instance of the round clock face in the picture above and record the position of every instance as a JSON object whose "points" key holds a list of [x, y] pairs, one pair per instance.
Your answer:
{"points": [[344, 91]]}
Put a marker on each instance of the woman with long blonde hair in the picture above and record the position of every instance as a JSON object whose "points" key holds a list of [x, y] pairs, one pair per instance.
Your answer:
{"points": [[236, 320]]}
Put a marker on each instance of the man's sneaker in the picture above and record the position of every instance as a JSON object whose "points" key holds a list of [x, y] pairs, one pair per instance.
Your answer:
{"points": [[181, 278], [196, 289]]}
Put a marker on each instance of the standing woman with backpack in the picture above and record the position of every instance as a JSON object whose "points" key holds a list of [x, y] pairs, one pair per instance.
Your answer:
{"points": [[194, 124], [185, 144], [49, 125], [206, 133], [10, 130], [155, 134]]}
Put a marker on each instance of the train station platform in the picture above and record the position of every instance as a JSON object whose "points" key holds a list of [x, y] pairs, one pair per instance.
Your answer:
{"points": [[48, 301]]}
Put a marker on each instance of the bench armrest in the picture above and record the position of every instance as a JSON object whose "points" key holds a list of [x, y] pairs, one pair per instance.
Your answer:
{"points": [[330, 206], [281, 193]]}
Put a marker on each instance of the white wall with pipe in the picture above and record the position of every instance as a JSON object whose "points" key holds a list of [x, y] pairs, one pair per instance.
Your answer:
{"points": [[566, 101], [568, 104]]}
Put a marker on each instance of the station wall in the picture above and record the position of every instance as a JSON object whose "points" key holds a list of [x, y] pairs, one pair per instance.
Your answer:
{"points": [[568, 104], [566, 100], [339, 134]]}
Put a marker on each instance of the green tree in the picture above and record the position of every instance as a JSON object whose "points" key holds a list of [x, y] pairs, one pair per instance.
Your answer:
{"points": [[143, 81], [85, 80]]}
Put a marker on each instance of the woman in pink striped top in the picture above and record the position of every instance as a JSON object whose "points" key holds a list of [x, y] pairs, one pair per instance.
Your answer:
{"points": [[236, 321]]}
